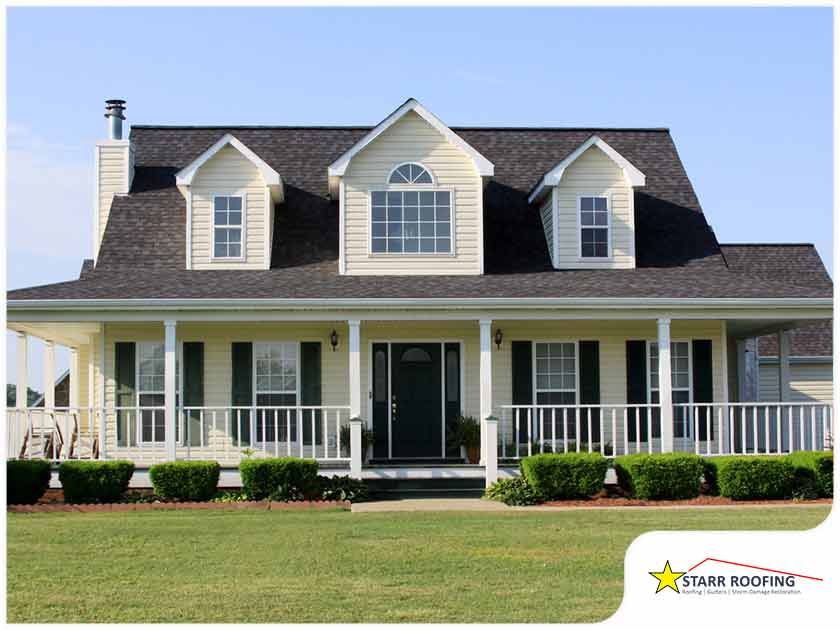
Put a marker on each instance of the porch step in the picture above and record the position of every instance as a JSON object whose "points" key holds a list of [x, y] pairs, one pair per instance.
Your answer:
{"points": [[408, 488]]}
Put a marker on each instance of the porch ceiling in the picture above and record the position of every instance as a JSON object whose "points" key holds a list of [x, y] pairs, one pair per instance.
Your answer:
{"points": [[746, 328], [70, 334]]}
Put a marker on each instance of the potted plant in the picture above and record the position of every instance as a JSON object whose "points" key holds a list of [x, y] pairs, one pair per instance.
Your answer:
{"points": [[368, 439], [465, 433]]}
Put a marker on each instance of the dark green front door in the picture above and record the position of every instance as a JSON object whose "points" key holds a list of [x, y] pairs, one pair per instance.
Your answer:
{"points": [[416, 405]]}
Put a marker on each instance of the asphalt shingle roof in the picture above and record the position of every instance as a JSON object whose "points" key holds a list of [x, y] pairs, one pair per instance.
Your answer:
{"points": [[678, 256], [809, 340]]}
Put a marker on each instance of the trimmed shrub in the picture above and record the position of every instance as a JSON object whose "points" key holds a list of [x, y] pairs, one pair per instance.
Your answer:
{"points": [[660, 476], [512, 492], [755, 477], [566, 476], [282, 478], [185, 481], [817, 466], [26, 480], [94, 482]]}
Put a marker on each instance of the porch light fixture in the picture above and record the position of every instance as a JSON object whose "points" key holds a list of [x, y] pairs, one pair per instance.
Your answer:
{"points": [[333, 339], [498, 338]]}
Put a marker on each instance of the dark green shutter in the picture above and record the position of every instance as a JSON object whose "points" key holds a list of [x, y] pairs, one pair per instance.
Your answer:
{"points": [[193, 357], [636, 388], [522, 377], [125, 375], [590, 387], [242, 389], [702, 388], [310, 390]]}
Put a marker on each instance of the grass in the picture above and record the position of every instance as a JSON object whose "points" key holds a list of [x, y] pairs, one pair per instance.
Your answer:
{"points": [[256, 566]]}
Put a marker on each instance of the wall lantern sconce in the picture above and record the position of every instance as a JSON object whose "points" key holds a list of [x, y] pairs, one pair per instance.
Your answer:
{"points": [[333, 339], [498, 338]]}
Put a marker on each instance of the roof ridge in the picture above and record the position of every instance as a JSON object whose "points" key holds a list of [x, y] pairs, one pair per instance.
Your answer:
{"points": [[368, 127]]}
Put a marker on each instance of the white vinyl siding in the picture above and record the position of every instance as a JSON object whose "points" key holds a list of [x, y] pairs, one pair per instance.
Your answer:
{"points": [[547, 215], [229, 173], [114, 162], [809, 382], [412, 139], [594, 174]]}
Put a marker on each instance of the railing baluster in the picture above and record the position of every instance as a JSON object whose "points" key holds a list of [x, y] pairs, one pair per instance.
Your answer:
{"points": [[626, 430], [778, 429], [710, 411], [766, 429], [530, 431], [288, 433], [324, 433], [300, 429], [565, 429], [743, 430], [553, 430], [721, 411], [614, 436], [801, 430], [541, 416], [639, 430], [516, 414], [650, 430], [813, 428], [755, 429], [589, 429], [694, 422]]}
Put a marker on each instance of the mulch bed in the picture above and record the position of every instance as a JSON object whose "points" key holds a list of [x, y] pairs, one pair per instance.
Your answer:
{"points": [[702, 500], [183, 505]]}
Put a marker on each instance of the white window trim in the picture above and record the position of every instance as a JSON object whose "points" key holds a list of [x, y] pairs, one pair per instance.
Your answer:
{"points": [[690, 389], [241, 258], [534, 388], [406, 184], [609, 256], [179, 387], [409, 188]]}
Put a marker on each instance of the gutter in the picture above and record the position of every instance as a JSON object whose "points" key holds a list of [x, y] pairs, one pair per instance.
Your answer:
{"points": [[408, 303]]}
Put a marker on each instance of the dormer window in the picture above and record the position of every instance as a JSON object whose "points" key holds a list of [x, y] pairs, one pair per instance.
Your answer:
{"points": [[412, 173], [410, 216], [227, 227], [594, 227]]}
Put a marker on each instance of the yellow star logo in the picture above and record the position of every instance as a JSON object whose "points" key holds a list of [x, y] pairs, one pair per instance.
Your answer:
{"points": [[667, 578]]}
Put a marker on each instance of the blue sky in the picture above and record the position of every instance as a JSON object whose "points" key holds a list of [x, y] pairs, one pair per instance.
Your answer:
{"points": [[747, 94]]}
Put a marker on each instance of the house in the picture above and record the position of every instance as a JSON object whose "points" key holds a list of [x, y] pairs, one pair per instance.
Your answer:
{"points": [[275, 290], [810, 364]]}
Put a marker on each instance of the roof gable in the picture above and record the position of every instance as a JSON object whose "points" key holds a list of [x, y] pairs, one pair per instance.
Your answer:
{"points": [[272, 178], [484, 166], [633, 175]]}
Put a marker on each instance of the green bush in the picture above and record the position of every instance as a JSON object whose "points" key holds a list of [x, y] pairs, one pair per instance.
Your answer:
{"points": [[755, 477], [817, 466], [342, 489], [185, 481], [512, 492], [566, 476], [26, 480], [660, 476], [282, 478], [94, 482]]}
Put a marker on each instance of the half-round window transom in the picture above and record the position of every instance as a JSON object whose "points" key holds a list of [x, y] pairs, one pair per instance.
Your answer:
{"points": [[410, 174]]}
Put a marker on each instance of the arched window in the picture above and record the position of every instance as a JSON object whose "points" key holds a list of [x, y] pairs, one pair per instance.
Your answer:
{"points": [[416, 355], [411, 173]]}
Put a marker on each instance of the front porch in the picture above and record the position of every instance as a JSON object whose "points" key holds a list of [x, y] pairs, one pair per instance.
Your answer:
{"points": [[213, 389]]}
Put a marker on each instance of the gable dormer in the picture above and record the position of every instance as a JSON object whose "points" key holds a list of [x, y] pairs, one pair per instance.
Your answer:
{"points": [[230, 195], [586, 204], [410, 199]]}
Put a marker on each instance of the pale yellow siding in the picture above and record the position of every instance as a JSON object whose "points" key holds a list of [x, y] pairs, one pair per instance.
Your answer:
{"points": [[547, 215], [228, 173], [412, 139], [593, 173], [809, 382], [114, 162]]}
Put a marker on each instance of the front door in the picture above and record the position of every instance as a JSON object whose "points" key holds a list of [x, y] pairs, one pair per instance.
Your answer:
{"points": [[416, 404]]}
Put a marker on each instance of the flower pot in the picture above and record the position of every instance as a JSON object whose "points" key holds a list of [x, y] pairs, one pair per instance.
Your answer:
{"points": [[473, 454]]}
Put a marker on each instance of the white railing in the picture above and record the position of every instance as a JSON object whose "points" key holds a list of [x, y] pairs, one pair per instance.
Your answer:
{"points": [[55, 434], [230, 433], [225, 434], [703, 428], [755, 428]]}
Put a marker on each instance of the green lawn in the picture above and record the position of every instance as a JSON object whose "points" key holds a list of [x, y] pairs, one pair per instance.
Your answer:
{"points": [[260, 566]]}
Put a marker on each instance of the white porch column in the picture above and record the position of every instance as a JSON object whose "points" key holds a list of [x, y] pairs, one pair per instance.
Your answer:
{"points": [[356, 447], [355, 368], [663, 326], [783, 338], [169, 387], [49, 374], [486, 384], [21, 398], [354, 371], [491, 459], [74, 378]]}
